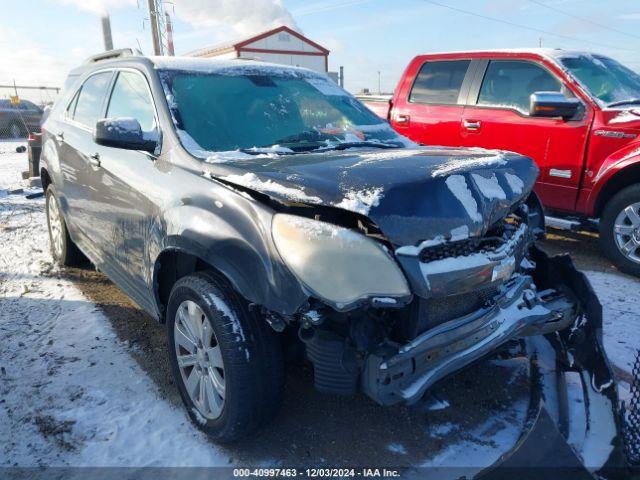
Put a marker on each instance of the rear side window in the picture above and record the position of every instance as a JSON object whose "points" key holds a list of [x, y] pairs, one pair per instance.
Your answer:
{"points": [[88, 109], [509, 84], [439, 82], [130, 98]]}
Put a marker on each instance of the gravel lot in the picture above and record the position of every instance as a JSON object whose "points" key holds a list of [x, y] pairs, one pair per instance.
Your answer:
{"points": [[63, 420]]}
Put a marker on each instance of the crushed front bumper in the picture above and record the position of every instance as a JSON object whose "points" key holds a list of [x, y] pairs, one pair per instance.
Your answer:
{"points": [[393, 375]]}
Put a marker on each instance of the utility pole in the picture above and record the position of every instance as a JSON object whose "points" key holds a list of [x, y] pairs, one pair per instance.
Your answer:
{"points": [[379, 90], [106, 32], [341, 78], [169, 28], [155, 31]]}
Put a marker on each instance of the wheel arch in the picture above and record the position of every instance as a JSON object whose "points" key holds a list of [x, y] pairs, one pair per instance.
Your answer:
{"points": [[254, 278], [45, 178], [617, 181]]}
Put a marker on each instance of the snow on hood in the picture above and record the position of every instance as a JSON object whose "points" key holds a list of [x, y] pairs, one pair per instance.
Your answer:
{"points": [[413, 196], [361, 201], [626, 116], [251, 180]]}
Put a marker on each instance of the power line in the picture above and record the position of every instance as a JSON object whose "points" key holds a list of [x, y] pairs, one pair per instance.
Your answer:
{"points": [[582, 19], [525, 27]]}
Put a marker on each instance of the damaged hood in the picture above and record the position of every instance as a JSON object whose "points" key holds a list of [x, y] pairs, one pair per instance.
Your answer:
{"points": [[411, 194]]}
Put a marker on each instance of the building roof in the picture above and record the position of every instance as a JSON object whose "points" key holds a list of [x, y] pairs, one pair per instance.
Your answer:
{"points": [[239, 43]]}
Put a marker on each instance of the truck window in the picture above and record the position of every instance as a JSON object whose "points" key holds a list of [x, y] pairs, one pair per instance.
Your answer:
{"points": [[87, 110], [130, 98], [439, 82], [509, 84]]}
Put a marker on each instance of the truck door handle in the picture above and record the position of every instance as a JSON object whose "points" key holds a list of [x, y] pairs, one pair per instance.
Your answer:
{"points": [[94, 160], [471, 124], [402, 119]]}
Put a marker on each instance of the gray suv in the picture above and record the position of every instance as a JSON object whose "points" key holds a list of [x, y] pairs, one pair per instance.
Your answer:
{"points": [[254, 208]]}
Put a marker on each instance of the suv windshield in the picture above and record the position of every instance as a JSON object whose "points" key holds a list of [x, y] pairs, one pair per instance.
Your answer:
{"points": [[257, 109], [607, 80]]}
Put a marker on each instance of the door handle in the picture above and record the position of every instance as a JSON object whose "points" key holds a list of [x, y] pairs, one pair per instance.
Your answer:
{"points": [[60, 136], [401, 119], [472, 124], [94, 160]]}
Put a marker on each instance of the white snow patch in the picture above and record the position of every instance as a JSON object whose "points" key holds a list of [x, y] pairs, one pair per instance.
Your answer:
{"points": [[621, 320], [515, 183], [442, 430], [385, 300], [626, 116], [251, 180], [397, 448], [361, 201], [457, 234], [226, 311], [458, 186], [489, 187], [385, 155], [481, 447], [457, 164], [327, 87]]}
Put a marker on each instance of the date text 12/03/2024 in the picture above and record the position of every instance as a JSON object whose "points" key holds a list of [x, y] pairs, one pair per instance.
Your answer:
{"points": [[317, 472]]}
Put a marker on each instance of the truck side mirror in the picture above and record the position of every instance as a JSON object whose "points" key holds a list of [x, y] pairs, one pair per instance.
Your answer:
{"points": [[125, 133], [553, 104]]}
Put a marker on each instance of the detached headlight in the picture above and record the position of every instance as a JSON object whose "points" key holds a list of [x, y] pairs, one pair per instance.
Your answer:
{"points": [[335, 263]]}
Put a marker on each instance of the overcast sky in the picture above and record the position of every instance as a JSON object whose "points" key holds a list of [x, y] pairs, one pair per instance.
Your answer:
{"points": [[40, 40]]}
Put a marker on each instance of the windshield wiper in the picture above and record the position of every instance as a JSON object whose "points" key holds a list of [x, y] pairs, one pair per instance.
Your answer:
{"points": [[306, 136], [624, 102], [345, 145]]}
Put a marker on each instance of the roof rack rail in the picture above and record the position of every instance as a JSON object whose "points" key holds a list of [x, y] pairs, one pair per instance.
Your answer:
{"points": [[111, 54]]}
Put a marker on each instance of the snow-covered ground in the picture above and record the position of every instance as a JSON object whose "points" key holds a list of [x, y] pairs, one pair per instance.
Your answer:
{"points": [[71, 393]]}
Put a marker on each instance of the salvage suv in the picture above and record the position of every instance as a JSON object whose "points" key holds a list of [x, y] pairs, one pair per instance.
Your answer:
{"points": [[576, 114], [252, 207]]}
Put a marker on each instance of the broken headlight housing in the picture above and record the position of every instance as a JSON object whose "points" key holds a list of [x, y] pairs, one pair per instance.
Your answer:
{"points": [[336, 264]]}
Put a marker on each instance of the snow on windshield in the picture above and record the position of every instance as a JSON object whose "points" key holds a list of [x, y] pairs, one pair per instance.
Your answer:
{"points": [[256, 108], [605, 79]]}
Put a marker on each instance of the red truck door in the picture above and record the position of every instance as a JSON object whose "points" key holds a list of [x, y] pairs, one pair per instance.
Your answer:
{"points": [[428, 105], [497, 116]]}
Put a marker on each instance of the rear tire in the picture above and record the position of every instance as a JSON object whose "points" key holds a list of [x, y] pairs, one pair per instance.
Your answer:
{"points": [[620, 230], [238, 368], [63, 250]]}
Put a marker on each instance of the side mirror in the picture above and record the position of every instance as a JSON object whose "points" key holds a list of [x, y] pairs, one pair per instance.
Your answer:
{"points": [[125, 133], [553, 104]]}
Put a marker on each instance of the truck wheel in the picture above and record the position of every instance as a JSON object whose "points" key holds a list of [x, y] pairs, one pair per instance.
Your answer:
{"points": [[226, 359], [63, 250], [620, 230]]}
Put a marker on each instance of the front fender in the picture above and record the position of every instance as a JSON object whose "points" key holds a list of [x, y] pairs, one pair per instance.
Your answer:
{"points": [[234, 238], [613, 165]]}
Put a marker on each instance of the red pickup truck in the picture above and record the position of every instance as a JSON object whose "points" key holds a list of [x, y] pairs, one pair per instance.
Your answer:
{"points": [[576, 114]]}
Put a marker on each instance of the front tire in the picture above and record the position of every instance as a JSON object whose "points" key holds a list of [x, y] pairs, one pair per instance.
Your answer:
{"points": [[620, 230], [226, 360], [63, 250]]}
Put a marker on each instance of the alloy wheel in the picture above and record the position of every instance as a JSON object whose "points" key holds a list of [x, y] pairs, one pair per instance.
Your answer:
{"points": [[55, 226], [199, 359], [627, 232]]}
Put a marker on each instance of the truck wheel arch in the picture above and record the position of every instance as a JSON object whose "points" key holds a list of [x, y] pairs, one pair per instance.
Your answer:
{"points": [[622, 178]]}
